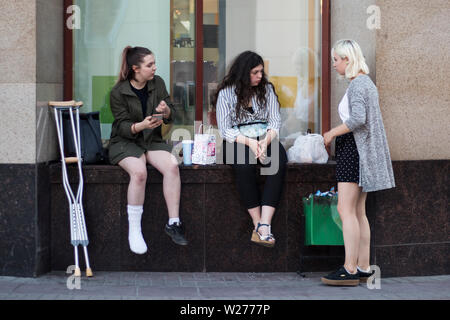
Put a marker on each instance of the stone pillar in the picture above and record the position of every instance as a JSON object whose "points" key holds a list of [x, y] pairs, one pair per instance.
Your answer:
{"points": [[413, 53], [31, 69]]}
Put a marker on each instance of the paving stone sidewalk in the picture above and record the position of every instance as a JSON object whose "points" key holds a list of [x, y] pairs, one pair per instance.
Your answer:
{"points": [[215, 286]]}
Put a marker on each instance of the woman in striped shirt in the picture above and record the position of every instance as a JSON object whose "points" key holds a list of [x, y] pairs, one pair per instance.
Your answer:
{"points": [[248, 118]]}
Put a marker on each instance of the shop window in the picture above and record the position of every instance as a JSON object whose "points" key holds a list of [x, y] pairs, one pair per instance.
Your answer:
{"points": [[286, 33]]}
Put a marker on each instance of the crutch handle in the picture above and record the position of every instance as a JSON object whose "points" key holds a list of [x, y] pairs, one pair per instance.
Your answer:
{"points": [[61, 103], [71, 160], [71, 103]]}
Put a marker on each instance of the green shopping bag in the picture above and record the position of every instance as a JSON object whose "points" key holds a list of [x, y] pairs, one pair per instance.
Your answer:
{"points": [[323, 225]]}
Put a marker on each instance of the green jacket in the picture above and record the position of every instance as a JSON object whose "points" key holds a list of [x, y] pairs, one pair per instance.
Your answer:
{"points": [[127, 109]]}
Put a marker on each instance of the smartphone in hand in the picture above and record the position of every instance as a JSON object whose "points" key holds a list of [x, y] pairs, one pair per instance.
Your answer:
{"points": [[157, 116]]}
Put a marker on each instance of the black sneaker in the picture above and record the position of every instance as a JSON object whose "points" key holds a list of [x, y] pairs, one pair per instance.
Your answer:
{"points": [[363, 276], [176, 232], [341, 278]]}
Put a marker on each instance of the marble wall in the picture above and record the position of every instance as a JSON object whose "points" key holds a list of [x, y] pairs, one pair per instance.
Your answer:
{"points": [[407, 56], [18, 81], [409, 224], [31, 74], [413, 54]]}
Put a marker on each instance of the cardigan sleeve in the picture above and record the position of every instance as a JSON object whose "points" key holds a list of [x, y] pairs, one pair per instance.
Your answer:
{"points": [[357, 107]]}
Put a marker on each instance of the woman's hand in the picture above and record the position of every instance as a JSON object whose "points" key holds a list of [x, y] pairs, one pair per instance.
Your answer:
{"points": [[328, 138], [254, 146], [262, 144], [164, 109], [335, 132], [148, 123]]}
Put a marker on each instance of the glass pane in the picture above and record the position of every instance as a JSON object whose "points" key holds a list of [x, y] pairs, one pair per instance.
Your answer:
{"points": [[182, 63], [287, 34], [107, 27], [213, 55]]}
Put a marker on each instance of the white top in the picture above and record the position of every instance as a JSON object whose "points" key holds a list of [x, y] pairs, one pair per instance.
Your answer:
{"points": [[343, 108], [226, 113]]}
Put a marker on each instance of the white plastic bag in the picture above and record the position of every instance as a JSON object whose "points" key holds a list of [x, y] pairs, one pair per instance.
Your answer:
{"points": [[308, 149], [204, 148]]}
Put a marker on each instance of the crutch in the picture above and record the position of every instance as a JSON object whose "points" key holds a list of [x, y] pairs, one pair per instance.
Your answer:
{"points": [[78, 233]]}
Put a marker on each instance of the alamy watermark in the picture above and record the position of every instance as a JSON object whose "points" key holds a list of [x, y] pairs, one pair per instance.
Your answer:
{"points": [[270, 163], [73, 282], [374, 20], [74, 21], [374, 281]]}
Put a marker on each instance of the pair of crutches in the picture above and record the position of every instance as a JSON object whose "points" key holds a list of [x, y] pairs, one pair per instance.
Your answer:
{"points": [[78, 232]]}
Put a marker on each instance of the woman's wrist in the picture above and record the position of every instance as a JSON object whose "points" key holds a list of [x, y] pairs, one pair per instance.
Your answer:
{"points": [[136, 128], [270, 135], [339, 130], [332, 132], [243, 140], [166, 113]]}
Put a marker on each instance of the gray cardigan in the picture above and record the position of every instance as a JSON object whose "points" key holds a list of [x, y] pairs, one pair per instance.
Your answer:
{"points": [[366, 123]]}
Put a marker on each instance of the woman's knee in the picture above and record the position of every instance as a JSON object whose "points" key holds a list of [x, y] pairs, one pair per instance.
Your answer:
{"points": [[346, 211], [139, 175], [171, 168]]}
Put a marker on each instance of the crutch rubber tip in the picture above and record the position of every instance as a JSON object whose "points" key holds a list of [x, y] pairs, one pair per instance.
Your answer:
{"points": [[89, 272], [77, 272]]}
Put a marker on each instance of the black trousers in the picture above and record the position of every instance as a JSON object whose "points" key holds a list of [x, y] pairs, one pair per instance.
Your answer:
{"points": [[245, 168]]}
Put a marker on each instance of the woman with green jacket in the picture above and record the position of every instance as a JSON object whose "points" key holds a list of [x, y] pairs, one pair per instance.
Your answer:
{"points": [[140, 104]]}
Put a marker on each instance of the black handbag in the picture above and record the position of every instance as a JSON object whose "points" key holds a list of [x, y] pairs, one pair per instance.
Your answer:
{"points": [[92, 150]]}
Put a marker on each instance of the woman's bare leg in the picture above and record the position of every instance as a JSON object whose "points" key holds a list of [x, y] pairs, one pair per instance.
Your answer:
{"points": [[348, 196], [364, 230], [167, 164]]}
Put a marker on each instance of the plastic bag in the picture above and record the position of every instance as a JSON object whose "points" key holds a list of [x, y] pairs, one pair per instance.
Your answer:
{"points": [[308, 149], [204, 148]]}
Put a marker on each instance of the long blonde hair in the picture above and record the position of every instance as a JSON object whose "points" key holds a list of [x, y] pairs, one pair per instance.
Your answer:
{"points": [[351, 50]]}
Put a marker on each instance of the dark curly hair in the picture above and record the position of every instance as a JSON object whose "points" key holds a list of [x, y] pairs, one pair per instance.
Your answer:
{"points": [[239, 76]]}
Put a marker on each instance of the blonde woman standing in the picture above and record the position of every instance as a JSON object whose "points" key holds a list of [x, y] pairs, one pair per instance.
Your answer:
{"points": [[363, 160]]}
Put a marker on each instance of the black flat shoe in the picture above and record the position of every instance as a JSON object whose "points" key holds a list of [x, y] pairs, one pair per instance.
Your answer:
{"points": [[363, 276], [341, 278], [176, 232]]}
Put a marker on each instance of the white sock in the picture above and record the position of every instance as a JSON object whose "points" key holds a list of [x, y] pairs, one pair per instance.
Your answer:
{"points": [[361, 270], [135, 238], [174, 220]]}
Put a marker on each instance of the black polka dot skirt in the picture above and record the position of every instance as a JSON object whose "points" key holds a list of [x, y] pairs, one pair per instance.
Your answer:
{"points": [[347, 159]]}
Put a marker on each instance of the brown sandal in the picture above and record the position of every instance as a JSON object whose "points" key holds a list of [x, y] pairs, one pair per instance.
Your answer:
{"points": [[267, 240]]}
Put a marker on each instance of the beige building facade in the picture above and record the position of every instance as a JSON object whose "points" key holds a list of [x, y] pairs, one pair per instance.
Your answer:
{"points": [[407, 58], [407, 48]]}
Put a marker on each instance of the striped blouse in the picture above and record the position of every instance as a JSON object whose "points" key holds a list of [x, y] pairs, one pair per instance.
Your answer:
{"points": [[226, 113]]}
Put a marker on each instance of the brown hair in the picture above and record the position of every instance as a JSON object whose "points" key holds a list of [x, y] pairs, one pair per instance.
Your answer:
{"points": [[131, 57]]}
